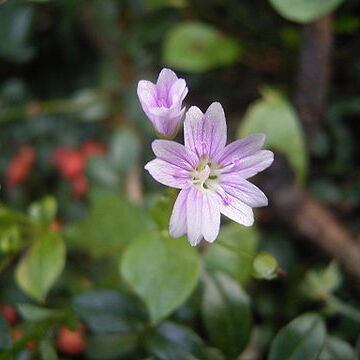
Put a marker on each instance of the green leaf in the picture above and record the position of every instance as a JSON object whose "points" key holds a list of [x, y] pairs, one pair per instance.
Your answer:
{"points": [[44, 210], [161, 210], [108, 311], [197, 47], [41, 266], [124, 150], [318, 284], [302, 338], [162, 271], [264, 266], [32, 312], [47, 351], [275, 116], [15, 20], [227, 314], [304, 11], [111, 346], [337, 349], [171, 341], [10, 240], [111, 224], [233, 252]]}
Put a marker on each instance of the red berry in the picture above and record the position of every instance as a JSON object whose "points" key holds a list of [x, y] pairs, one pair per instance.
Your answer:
{"points": [[70, 163], [9, 314], [93, 148], [71, 342], [20, 165], [80, 186]]}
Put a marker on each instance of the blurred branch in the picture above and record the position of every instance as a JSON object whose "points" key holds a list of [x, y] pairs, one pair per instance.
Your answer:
{"points": [[314, 72], [311, 219], [58, 106]]}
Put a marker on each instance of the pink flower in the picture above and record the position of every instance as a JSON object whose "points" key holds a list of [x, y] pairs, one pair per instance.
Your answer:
{"points": [[211, 175], [162, 101]]}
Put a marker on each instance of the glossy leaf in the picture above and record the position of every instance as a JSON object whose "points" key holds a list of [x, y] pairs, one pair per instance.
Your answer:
{"points": [[233, 252], [171, 341], [302, 338], [32, 312], [197, 47], [161, 210], [111, 346], [111, 224], [47, 351], [15, 20], [162, 271], [108, 311], [337, 349], [304, 11], [274, 116], [226, 313], [124, 150], [42, 264]]}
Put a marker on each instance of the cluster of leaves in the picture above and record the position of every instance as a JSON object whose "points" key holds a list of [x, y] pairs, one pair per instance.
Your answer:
{"points": [[111, 266]]}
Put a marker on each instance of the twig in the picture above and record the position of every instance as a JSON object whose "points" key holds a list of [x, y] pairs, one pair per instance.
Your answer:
{"points": [[314, 73]]}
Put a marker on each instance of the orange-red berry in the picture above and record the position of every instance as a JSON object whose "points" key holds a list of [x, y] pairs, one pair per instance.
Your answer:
{"points": [[70, 162], [71, 342]]}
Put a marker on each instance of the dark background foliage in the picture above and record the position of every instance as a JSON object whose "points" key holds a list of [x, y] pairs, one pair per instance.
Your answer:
{"points": [[87, 268]]}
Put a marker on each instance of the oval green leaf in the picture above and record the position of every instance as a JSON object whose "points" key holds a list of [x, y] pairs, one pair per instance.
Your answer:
{"points": [[304, 11], [276, 117], [226, 313], [111, 224], [302, 338], [197, 47], [162, 271], [113, 346], [337, 349], [233, 252], [171, 341], [41, 266]]}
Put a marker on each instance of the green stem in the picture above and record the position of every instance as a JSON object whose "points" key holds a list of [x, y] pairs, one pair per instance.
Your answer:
{"points": [[62, 106]]}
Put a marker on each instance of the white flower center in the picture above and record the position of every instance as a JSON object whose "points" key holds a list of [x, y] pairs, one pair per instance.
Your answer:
{"points": [[206, 174]]}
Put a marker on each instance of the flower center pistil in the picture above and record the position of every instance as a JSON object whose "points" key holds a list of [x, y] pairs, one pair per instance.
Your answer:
{"points": [[206, 175]]}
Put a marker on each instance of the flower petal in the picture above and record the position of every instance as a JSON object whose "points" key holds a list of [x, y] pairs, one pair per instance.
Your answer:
{"points": [[165, 120], [194, 216], [168, 174], [177, 92], [251, 165], [178, 224], [205, 134], [165, 81], [237, 211], [243, 190], [174, 153], [146, 92], [210, 225], [241, 148]]}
